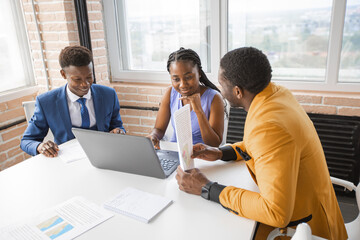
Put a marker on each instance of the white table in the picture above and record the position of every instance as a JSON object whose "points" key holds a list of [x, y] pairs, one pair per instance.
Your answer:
{"points": [[40, 183]]}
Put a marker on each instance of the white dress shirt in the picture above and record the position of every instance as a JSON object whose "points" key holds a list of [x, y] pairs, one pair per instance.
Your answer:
{"points": [[74, 108]]}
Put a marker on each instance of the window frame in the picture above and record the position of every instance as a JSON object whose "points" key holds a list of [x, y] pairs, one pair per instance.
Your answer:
{"points": [[219, 43], [23, 43]]}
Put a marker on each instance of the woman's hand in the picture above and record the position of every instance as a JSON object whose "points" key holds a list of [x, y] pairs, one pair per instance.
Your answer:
{"points": [[155, 141], [195, 101]]}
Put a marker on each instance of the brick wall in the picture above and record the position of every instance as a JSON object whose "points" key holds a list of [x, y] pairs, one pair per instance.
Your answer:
{"points": [[139, 122], [149, 95], [12, 112], [330, 103], [58, 28], [57, 22]]}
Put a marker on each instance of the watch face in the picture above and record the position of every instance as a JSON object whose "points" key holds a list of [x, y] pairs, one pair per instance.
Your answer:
{"points": [[205, 193]]}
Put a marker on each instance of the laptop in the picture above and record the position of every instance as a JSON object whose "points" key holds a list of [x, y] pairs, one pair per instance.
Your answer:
{"points": [[125, 153]]}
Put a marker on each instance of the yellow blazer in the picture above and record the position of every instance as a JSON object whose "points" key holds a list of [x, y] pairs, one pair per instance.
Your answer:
{"points": [[288, 164]]}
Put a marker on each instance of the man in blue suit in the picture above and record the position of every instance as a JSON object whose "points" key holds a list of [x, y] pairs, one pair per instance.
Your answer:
{"points": [[77, 104]]}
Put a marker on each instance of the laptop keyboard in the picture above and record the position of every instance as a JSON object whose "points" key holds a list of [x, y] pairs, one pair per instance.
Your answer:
{"points": [[167, 163], [169, 160]]}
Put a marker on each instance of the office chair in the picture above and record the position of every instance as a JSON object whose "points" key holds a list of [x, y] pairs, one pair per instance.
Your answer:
{"points": [[29, 108], [168, 133], [277, 232], [226, 123], [302, 232], [352, 228]]}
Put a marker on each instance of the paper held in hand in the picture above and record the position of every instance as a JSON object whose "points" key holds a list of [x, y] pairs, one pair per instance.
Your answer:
{"points": [[184, 137]]}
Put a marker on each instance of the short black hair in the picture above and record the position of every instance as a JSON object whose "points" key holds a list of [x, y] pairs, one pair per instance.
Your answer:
{"points": [[76, 56], [189, 55], [247, 68]]}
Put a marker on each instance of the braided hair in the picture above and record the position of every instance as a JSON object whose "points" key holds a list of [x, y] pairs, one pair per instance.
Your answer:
{"points": [[190, 55]]}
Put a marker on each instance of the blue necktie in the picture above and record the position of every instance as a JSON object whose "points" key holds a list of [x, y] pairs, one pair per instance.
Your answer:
{"points": [[84, 113]]}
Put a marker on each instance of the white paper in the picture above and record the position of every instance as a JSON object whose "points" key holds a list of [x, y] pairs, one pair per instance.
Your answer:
{"points": [[184, 137], [142, 206], [65, 221], [71, 152]]}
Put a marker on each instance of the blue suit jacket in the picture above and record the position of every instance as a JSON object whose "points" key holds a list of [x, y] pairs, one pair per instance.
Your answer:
{"points": [[51, 111]]}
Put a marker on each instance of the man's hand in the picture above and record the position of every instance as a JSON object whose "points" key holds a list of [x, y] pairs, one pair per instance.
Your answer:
{"points": [[155, 141], [191, 181], [205, 152], [117, 131], [49, 149]]}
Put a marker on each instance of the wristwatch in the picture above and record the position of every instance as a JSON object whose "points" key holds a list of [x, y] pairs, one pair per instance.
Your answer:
{"points": [[205, 190]]}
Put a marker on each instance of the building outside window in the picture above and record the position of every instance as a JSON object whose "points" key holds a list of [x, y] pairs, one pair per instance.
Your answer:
{"points": [[312, 45], [141, 34], [153, 30], [350, 53], [294, 36]]}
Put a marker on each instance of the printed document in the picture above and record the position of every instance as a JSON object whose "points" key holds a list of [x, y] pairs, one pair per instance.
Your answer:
{"points": [[71, 151], [142, 206], [184, 137], [65, 221]]}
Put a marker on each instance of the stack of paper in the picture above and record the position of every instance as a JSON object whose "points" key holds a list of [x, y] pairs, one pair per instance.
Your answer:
{"points": [[137, 204], [71, 151]]}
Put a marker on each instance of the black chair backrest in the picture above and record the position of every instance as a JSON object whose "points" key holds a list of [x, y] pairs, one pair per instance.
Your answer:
{"points": [[339, 136]]}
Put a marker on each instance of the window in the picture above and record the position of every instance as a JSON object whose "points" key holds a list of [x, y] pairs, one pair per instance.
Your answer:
{"points": [[350, 53], [153, 31], [147, 32], [312, 45], [15, 64], [293, 36]]}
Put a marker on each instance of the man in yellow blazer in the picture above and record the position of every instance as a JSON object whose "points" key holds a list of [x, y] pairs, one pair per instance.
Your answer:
{"points": [[282, 151]]}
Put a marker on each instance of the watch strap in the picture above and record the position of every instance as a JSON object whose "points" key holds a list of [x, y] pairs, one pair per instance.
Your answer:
{"points": [[205, 190], [228, 153], [215, 191]]}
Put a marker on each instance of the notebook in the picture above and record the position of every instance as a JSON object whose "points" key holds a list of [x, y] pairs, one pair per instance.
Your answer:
{"points": [[125, 153], [140, 205]]}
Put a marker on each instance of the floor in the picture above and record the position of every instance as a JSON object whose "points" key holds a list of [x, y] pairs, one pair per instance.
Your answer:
{"points": [[348, 207]]}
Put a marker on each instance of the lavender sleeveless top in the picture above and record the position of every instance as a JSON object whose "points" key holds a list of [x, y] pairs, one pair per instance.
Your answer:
{"points": [[175, 104]]}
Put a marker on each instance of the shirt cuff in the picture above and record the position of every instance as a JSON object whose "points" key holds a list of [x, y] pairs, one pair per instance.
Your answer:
{"points": [[215, 191], [228, 153]]}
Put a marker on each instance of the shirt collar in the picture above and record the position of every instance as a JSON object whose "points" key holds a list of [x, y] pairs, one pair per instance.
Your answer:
{"points": [[73, 97], [262, 96]]}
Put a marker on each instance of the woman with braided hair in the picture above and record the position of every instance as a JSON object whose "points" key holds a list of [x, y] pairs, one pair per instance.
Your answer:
{"points": [[191, 86]]}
